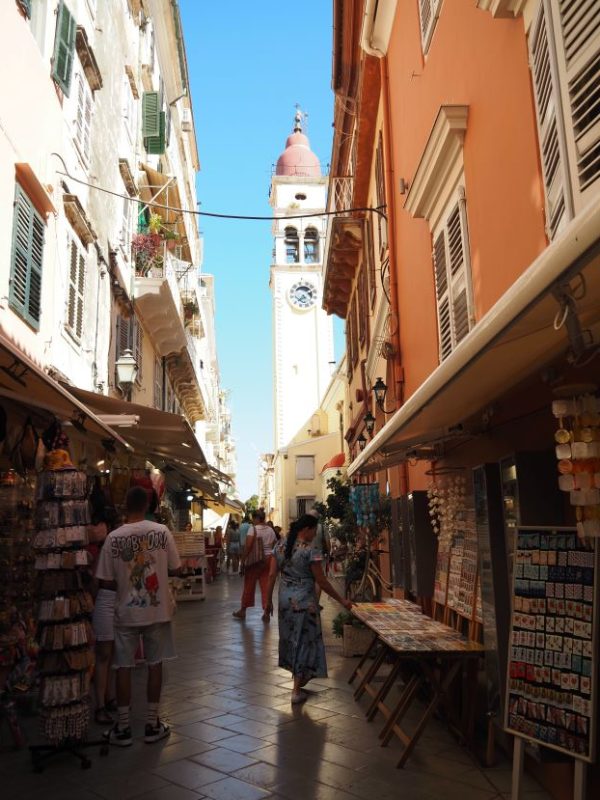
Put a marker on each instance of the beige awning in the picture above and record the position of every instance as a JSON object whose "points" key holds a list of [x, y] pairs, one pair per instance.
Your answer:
{"points": [[24, 382], [225, 505], [516, 338], [163, 190], [161, 437]]}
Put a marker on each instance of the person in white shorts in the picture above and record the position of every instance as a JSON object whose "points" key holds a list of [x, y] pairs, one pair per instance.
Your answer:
{"points": [[135, 562]]}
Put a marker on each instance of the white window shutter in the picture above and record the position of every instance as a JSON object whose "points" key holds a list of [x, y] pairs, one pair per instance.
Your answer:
{"points": [[442, 295], [428, 14], [76, 290], [551, 132], [579, 28]]}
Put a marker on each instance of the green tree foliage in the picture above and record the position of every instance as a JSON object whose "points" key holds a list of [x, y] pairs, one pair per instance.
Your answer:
{"points": [[251, 505]]}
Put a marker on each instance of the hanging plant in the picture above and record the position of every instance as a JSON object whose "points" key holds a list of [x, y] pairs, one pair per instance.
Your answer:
{"points": [[146, 249]]}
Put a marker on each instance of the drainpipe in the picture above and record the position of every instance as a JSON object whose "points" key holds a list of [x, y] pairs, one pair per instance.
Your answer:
{"points": [[398, 371]]}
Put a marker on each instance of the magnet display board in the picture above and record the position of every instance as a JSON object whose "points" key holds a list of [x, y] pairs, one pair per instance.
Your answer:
{"points": [[552, 667]]}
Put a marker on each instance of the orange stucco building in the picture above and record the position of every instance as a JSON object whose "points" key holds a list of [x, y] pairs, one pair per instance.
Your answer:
{"points": [[464, 255]]}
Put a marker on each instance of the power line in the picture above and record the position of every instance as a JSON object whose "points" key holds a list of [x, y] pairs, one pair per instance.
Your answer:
{"points": [[377, 210]]}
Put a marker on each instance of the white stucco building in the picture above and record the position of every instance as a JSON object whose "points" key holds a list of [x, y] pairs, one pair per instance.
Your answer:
{"points": [[302, 331], [96, 135]]}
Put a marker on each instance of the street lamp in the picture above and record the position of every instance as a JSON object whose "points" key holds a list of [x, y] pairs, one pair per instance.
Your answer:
{"points": [[361, 442], [369, 421], [127, 369], [380, 390]]}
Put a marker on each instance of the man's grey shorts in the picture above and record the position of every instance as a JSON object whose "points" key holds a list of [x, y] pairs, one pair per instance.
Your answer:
{"points": [[157, 641]]}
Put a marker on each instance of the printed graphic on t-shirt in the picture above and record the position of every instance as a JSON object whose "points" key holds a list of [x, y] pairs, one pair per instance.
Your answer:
{"points": [[137, 553]]}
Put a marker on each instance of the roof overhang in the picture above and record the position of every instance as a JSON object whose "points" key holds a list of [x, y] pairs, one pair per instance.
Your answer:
{"points": [[345, 243], [27, 384], [515, 339], [163, 438]]}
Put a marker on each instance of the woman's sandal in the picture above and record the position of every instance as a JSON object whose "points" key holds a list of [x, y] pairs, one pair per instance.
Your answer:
{"points": [[238, 615], [102, 717]]}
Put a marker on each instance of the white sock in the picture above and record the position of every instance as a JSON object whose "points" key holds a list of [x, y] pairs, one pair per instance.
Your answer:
{"points": [[123, 717], [152, 714]]}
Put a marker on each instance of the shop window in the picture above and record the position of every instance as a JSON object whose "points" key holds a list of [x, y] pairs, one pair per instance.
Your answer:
{"points": [[565, 64], [76, 295], [428, 13], [64, 48], [292, 246], [130, 336], [83, 118], [25, 291], [452, 279], [311, 246], [305, 468], [380, 195]]}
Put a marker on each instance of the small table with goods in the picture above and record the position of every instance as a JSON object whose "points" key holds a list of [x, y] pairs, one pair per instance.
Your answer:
{"points": [[191, 547], [401, 634]]}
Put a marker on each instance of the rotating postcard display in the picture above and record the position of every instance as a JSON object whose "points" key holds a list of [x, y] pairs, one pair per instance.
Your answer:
{"points": [[65, 637]]}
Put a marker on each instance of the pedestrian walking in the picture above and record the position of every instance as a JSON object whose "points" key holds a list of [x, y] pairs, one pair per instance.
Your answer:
{"points": [[232, 545], [255, 562], [300, 567], [135, 562]]}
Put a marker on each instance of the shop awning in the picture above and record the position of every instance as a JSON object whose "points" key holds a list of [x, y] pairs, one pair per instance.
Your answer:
{"points": [[163, 190], [226, 505], [22, 381], [516, 338], [161, 437]]}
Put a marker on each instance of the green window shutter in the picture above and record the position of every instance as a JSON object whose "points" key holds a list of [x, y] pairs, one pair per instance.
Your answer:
{"points": [[25, 6], [26, 260], [155, 145], [150, 114], [64, 48]]}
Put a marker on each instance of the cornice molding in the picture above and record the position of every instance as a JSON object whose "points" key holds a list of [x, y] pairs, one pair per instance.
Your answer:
{"points": [[502, 8], [443, 149]]}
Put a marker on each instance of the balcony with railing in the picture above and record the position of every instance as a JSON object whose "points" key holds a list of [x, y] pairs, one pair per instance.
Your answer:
{"points": [[158, 300]]}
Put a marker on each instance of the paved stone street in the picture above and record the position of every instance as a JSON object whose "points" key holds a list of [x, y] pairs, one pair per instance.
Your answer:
{"points": [[236, 737]]}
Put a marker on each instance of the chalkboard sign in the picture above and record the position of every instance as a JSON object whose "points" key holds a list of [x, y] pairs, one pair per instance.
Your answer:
{"points": [[552, 668]]}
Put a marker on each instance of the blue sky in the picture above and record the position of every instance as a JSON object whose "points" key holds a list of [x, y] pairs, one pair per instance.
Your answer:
{"points": [[249, 64]]}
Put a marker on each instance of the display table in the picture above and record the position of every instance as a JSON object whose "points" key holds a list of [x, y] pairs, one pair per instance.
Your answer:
{"points": [[401, 633]]}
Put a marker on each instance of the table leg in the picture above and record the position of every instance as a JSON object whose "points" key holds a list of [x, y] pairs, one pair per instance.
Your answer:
{"points": [[383, 692], [406, 698], [363, 659], [517, 770], [439, 690], [371, 672]]}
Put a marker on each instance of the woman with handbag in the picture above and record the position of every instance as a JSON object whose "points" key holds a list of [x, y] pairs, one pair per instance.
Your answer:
{"points": [[255, 561]]}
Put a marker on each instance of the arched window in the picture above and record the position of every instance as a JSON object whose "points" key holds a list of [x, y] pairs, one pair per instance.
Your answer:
{"points": [[311, 246], [292, 246]]}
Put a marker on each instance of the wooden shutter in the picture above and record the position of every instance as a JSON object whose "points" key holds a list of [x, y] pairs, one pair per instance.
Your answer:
{"points": [[552, 144], [64, 48], [428, 14], [76, 291], [155, 145], [381, 197], [158, 383], [83, 119], [150, 114], [452, 282], [442, 295], [26, 262], [138, 337], [579, 27], [363, 305]]}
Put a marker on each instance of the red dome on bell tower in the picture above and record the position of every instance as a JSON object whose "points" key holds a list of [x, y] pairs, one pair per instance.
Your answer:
{"points": [[298, 159]]}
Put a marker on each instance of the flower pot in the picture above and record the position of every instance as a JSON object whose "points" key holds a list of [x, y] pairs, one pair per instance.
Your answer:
{"points": [[356, 640]]}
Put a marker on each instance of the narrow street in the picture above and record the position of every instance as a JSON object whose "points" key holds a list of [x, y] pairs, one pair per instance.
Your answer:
{"points": [[235, 736]]}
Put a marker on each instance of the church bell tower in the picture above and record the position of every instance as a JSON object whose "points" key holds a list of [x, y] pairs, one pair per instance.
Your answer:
{"points": [[302, 331]]}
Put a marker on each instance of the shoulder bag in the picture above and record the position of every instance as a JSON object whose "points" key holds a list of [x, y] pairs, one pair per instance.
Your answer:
{"points": [[257, 552]]}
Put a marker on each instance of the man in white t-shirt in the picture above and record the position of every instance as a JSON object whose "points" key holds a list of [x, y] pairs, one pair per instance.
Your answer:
{"points": [[135, 561]]}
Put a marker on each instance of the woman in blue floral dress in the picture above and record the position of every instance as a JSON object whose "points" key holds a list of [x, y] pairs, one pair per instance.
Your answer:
{"points": [[300, 566]]}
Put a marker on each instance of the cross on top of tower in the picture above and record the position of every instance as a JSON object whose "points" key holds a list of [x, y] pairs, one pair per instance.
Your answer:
{"points": [[297, 158], [298, 119]]}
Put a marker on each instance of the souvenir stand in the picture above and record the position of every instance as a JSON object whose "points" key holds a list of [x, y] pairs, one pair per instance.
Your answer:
{"points": [[552, 682]]}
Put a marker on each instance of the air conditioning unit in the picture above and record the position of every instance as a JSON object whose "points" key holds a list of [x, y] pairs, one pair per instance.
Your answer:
{"points": [[186, 119]]}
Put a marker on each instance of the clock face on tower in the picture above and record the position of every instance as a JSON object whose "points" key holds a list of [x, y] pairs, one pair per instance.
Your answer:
{"points": [[303, 295]]}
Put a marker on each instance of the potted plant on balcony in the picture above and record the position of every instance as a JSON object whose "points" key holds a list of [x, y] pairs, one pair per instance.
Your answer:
{"points": [[190, 309], [357, 637], [147, 252]]}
